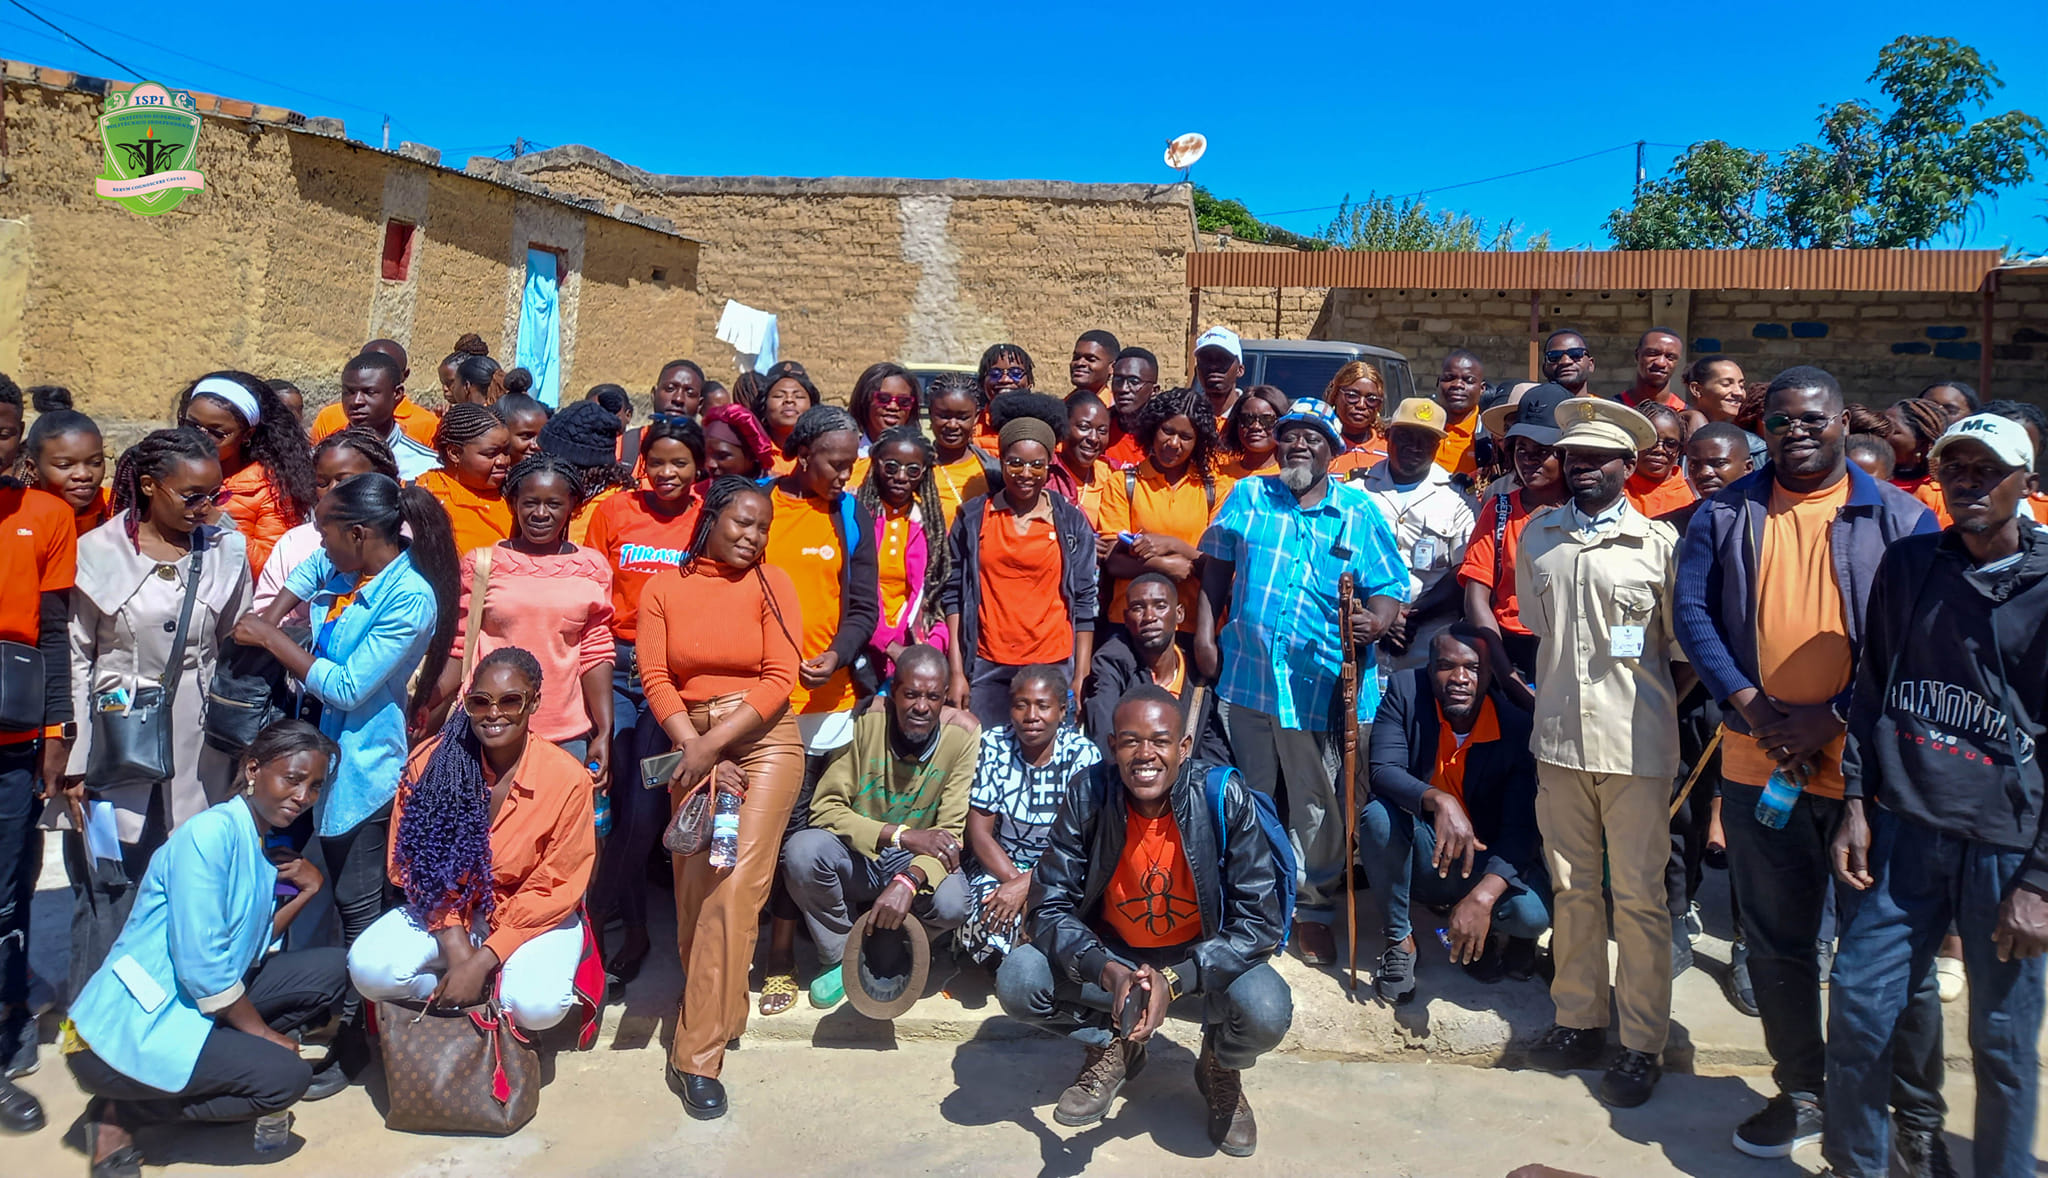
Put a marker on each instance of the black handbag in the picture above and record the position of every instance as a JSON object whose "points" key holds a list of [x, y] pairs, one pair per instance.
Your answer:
{"points": [[242, 699], [133, 746], [24, 687]]}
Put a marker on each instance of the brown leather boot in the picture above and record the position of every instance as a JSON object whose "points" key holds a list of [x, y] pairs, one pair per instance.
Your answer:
{"points": [[1102, 1076], [1231, 1125]]}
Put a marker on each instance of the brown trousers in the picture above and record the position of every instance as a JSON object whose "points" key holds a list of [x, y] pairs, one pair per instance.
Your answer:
{"points": [[718, 915]]}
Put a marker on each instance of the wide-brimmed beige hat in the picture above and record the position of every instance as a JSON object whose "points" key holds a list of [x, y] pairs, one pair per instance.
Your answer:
{"points": [[1496, 419], [1595, 423]]}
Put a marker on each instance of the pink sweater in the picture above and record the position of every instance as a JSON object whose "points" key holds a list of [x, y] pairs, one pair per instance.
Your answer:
{"points": [[556, 608]]}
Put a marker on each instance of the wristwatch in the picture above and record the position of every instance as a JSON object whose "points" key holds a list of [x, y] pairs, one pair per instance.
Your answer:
{"points": [[68, 730], [1172, 982]]}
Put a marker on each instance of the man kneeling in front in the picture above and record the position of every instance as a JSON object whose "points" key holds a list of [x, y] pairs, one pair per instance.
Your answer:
{"points": [[1133, 892]]}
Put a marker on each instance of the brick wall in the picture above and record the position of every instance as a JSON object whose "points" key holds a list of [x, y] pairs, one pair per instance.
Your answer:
{"points": [[919, 271]]}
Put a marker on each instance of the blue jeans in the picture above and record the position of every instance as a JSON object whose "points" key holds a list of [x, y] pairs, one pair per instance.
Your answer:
{"points": [[1397, 848], [21, 860], [1241, 1024], [638, 815], [1925, 881]]}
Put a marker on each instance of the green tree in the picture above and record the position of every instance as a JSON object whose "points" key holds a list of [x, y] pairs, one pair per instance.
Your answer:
{"points": [[1216, 215], [1393, 223], [1876, 179]]}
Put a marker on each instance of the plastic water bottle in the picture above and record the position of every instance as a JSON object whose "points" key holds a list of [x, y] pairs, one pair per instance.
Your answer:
{"points": [[725, 831], [273, 1132], [601, 807], [1781, 793]]}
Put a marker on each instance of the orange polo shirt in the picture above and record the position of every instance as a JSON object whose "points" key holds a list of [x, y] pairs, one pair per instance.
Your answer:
{"points": [[1365, 456], [479, 520], [1454, 453], [1657, 498], [419, 422], [1237, 470], [892, 564], [1088, 495], [1023, 618], [1802, 637], [1451, 754], [1180, 509], [1150, 900], [958, 481], [804, 543]]}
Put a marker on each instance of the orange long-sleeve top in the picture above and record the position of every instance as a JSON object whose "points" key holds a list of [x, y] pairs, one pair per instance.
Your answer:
{"points": [[708, 630], [543, 844]]}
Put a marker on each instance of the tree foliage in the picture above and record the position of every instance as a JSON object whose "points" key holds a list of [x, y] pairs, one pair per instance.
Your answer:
{"points": [[1394, 223], [1875, 179], [1216, 215]]}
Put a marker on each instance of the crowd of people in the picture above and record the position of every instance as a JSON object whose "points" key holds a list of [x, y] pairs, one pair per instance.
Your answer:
{"points": [[1073, 681]]}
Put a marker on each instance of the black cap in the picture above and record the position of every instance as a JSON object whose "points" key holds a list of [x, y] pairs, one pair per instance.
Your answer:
{"points": [[1536, 414]]}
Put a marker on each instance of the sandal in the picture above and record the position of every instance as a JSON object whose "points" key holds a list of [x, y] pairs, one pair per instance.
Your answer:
{"points": [[778, 993]]}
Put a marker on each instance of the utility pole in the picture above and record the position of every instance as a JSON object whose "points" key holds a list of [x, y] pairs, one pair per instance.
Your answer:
{"points": [[1640, 144], [387, 132]]}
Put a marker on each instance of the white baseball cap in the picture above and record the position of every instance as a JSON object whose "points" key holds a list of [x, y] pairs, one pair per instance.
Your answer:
{"points": [[2004, 437], [1221, 337]]}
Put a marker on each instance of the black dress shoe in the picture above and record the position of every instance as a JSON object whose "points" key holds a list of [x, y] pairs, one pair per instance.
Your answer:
{"points": [[703, 1096], [328, 1079], [19, 1111], [1565, 1049]]}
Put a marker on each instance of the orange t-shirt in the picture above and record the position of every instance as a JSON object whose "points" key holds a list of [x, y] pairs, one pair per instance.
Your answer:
{"points": [[1479, 557], [38, 555], [95, 513], [479, 520], [1023, 618], [1450, 753], [418, 421], [1654, 499], [1124, 451], [1150, 901], [1180, 509], [958, 481], [579, 524], [1454, 453], [1929, 493], [1235, 469], [1365, 456], [1802, 637], [638, 542], [804, 543]]}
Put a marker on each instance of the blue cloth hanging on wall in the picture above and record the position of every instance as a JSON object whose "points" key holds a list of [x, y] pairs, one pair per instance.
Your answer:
{"points": [[540, 326]]}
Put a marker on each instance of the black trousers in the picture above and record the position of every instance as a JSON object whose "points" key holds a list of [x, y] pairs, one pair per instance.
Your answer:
{"points": [[21, 859], [101, 898], [355, 864], [238, 1076]]}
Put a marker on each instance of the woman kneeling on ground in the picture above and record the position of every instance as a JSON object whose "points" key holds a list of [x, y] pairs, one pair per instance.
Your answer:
{"points": [[492, 840], [175, 1026]]}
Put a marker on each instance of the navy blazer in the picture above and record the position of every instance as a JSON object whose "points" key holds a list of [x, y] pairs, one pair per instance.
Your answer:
{"points": [[1500, 775]]}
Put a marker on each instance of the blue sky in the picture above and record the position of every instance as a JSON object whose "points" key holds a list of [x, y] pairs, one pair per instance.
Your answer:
{"points": [[1302, 102]]}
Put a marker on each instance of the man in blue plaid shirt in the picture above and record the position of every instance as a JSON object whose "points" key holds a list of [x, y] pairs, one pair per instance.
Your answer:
{"points": [[1274, 555]]}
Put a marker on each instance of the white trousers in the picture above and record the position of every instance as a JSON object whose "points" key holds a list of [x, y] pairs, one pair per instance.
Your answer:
{"points": [[396, 960]]}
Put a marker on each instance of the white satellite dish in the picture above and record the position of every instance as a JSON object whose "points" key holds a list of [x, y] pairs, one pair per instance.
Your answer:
{"points": [[1183, 151]]}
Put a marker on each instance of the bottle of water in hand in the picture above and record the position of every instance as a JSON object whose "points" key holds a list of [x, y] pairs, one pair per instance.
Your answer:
{"points": [[725, 831], [1780, 794], [273, 1132]]}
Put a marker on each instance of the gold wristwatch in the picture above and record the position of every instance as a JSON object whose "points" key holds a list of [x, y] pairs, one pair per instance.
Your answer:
{"points": [[1172, 982]]}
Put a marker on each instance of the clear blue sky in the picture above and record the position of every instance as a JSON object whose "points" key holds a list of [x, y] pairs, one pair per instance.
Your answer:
{"points": [[1301, 102]]}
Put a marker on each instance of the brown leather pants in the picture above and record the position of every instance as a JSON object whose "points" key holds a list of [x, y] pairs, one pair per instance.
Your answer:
{"points": [[718, 915]]}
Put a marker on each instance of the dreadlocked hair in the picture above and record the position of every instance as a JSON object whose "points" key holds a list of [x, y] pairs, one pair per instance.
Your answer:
{"points": [[154, 456], [465, 422], [1192, 404], [377, 502], [276, 442], [717, 498], [996, 354], [1926, 419], [365, 442], [540, 463], [442, 844], [931, 511]]}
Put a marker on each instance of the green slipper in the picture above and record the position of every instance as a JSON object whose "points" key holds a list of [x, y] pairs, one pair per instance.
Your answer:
{"points": [[828, 989]]}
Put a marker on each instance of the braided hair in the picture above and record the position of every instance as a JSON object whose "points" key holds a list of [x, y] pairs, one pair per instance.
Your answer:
{"points": [[155, 455], [931, 511], [442, 843], [947, 383], [1194, 405], [541, 463], [377, 502], [817, 421], [373, 449], [465, 422], [276, 442]]}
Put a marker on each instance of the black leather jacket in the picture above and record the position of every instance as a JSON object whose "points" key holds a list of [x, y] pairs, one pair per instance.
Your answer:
{"points": [[1240, 903]]}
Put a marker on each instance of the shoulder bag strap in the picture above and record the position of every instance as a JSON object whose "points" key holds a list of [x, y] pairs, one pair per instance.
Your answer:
{"points": [[1500, 534], [174, 668], [473, 634]]}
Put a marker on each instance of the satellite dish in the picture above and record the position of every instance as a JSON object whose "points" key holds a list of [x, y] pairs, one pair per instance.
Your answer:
{"points": [[1182, 152]]}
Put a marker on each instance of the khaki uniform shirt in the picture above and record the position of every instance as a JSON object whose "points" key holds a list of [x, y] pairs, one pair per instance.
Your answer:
{"points": [[1600, 707]]}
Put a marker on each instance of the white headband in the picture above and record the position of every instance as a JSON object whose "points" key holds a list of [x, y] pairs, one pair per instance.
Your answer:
{"points": [[234, 394]]}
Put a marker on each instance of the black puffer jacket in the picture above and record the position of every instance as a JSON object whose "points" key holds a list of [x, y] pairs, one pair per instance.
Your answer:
{"points": [[1240, 903]]}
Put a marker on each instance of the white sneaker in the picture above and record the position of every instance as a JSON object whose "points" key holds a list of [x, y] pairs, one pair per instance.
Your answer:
{"points": [[1948, 977]]}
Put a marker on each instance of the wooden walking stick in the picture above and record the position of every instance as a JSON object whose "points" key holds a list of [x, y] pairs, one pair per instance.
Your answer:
{"points": [[1347, 690]]}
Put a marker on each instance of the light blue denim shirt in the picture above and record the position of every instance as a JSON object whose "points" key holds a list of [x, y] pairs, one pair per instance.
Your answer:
{"points": [[201, 919], [362, 661]]}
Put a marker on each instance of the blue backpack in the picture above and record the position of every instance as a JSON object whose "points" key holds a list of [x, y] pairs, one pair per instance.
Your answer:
{"points": [[1213, 784]]}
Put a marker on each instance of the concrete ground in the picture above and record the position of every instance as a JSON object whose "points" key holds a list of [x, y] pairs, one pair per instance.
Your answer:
{"points": [[953, 1086]]}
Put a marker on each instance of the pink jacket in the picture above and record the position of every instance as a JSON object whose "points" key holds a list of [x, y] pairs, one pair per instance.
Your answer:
{"points": [[556, 608]]}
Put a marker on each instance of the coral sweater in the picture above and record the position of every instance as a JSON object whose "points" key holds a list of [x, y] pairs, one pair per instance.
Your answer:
{"points": [[558, 609]]}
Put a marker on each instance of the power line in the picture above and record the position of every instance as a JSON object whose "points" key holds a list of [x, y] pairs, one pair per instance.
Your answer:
{"points": [[1469, 183], [76, 40]]}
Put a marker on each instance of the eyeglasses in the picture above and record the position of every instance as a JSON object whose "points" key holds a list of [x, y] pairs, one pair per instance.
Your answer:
{"points": [[1813, 423], [1556, 354], [1025, 465], [1671, 444], [902, 470], [194, 499], [480, 705], [217, 434], [1354, 397], [895, 400], [1007, 374], [1128, 382]]}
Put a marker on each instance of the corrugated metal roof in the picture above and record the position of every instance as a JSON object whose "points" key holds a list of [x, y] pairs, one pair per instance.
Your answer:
{"points": [[1903, 270]]}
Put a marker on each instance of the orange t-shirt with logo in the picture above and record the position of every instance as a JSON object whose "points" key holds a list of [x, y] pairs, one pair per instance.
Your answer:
{"points": [[419, 422], [38, 555], [1023, 617], [1150, 902], [1802, 636], [804, 542], [638, 542]]}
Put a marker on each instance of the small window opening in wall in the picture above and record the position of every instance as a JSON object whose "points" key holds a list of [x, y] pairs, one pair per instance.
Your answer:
{"points": [[660, 275], [398, 250]]}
